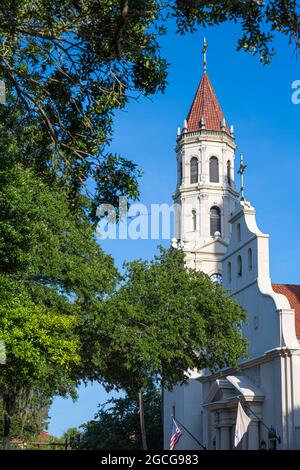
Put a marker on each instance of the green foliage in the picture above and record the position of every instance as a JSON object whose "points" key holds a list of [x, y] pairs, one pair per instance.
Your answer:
{"points": [[31, 416], [38, 341], [41, 349], [52, 275], [116, 426], [163, 320], [44, 245], [72, 438], [71, 432], [259, 20], [71, 65]]}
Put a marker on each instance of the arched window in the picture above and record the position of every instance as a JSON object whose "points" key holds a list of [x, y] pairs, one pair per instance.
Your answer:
{"points": [[239, 266], [250, 261], [213, 170], [215, 220], [228, 173], [194, 216], [238, 229], [229, 271], [194, 170], [180, 172]]}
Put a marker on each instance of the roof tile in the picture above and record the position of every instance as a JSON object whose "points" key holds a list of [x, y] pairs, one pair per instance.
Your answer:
{"points": [[205, 105], [292, 293]]}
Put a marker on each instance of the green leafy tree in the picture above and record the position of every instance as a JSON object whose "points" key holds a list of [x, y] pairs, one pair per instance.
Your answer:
{"points": [[116, 425], [71, 64], [72, 438], [53, 275], [30, 416], [41, 348], [44, 245], [259, 21], [162, 321]]}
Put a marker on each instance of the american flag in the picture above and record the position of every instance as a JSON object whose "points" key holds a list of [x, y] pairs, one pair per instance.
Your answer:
{"points": [[175, 436]]}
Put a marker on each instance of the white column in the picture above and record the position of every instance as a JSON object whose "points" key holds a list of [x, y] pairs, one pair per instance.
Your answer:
{"points": [[199, 222], [183, 162], [182, 231], [253, 435], [200, 165], [218, 440], [225, 437], [245, 442], [223, 177], [225, 424]]}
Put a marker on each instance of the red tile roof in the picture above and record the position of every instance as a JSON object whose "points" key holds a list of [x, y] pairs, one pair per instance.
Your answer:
{"points": [[44, 436], [205, 105], [292, 293]]}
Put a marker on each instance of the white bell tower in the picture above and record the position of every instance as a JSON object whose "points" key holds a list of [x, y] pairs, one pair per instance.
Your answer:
{"points": [[206, 196], [205, 192]]}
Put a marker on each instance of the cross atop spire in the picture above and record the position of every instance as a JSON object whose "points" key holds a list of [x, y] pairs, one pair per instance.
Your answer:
{"points": [[204, 49]]}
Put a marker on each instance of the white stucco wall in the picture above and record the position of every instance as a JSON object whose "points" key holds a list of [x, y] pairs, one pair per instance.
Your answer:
{"points": [[203, 251], [187, 400]]}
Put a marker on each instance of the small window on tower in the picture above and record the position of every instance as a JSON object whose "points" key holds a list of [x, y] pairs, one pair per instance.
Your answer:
{"points": [[228, 173], [250, 261], [180, 172], [215, 220], [194, 216], [229, 272], [213, 170], [194, 170], [239, 266]]}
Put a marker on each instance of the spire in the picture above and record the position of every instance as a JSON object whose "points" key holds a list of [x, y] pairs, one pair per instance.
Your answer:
{"points": [[206, 108]]}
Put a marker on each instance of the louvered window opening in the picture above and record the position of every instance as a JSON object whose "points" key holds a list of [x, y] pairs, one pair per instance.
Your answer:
{"points": [[215, 220], [228, 173], [194, 170], [180, 172], [239, 266], [194, 215], [213, 170]]}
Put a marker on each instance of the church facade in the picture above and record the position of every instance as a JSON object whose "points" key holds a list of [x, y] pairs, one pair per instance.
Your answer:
{"points": [[219, 235]]}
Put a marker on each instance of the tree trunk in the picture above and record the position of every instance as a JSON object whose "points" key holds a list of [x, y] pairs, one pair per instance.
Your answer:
{"points": [[9, 401], [142, 420]]}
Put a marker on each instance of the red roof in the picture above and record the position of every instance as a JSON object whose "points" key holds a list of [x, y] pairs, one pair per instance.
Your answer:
{"points": [[292, 293], [44, 436], [205, 105]]}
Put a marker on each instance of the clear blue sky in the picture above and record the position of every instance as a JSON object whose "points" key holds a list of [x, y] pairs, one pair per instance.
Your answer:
{"points": [[257, 100]]}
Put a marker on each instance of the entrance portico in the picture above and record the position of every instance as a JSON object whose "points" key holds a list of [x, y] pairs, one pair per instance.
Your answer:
{"points": [[220, 405]]}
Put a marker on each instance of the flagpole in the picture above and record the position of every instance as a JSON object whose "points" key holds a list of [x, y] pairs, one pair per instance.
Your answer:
{"points": [[183, 427], [240, 398]]}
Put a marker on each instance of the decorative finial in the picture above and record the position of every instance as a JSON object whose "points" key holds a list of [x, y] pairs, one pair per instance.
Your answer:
{"points": [[174, 243], [205, 46], [241, 172]]}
